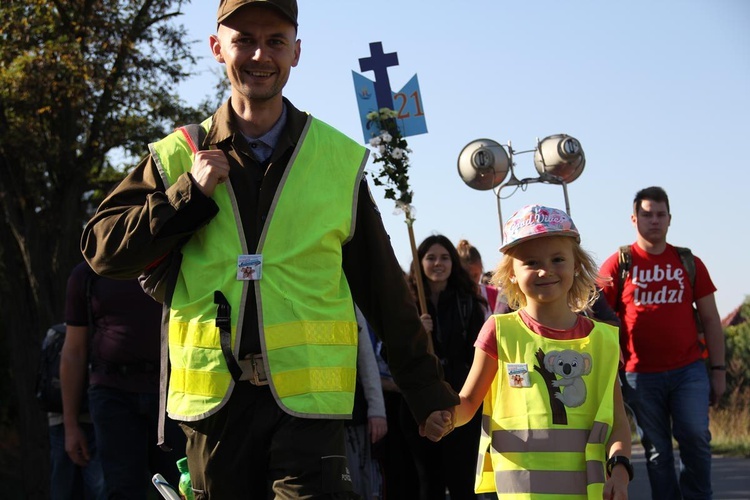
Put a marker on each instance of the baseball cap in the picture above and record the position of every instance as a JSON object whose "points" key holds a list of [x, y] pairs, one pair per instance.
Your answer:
{"points": [[535, 221], [286, 7]]}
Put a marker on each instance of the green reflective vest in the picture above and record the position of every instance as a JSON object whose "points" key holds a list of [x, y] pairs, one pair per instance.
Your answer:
{"points": [[530, 447], [306, 316]]}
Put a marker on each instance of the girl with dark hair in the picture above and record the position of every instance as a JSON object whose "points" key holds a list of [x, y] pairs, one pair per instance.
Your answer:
{"points": [[454, 316]]}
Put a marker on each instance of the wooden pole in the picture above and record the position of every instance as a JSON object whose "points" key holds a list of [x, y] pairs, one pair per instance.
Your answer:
{"points": [[417, 270]]}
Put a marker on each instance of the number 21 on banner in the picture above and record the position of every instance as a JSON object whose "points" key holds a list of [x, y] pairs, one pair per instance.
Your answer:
{"points": [[401, 101]]}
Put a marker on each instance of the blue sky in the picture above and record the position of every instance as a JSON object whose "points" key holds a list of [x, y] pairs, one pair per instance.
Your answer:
{"points": [[657, 92]]}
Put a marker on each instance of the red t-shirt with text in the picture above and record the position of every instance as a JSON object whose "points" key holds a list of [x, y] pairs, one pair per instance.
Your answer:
{"points": [[658, 329]]}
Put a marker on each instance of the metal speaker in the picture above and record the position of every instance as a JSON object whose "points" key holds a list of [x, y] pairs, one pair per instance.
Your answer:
{"points": [[483, 164], [560, 155]]}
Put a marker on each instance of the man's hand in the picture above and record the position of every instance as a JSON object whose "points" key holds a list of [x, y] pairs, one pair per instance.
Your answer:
{"points": [[378, 428], [210, 168], [438, 424], [76, 445], [718, 385]]}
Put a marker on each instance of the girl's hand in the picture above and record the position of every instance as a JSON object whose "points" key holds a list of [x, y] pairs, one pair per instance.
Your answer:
{"points": [[437, 425], [378, 427], [616, 487], [426, 322]]}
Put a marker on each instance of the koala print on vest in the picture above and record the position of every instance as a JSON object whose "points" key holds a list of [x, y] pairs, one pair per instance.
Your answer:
{"points": [[571, 366]]}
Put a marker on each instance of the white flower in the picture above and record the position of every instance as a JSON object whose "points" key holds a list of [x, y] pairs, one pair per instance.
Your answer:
{"points": [[375, 141], [397, 153], [386, 136], [381, 149]]}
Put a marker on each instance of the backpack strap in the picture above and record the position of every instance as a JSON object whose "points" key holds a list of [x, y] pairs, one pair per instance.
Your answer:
{"points": [[688, 262], [624, 259], [194, 135], [465, 310], [91, 277]]}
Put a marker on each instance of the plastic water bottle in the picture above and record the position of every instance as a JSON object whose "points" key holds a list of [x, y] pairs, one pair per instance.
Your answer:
{"points": [[186, 489]]}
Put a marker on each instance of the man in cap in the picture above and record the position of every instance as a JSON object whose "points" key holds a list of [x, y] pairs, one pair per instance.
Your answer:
{"points": [[257, 230], [666, 381]]}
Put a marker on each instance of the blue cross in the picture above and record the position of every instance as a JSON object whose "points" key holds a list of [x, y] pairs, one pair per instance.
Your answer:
{"points": [[378, 62]]}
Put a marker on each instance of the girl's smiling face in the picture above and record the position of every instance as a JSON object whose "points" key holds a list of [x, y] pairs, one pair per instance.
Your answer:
{"points": [[544, 269], [437, 264]]}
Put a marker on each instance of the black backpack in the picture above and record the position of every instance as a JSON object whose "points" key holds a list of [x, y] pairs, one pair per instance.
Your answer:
{"points": [[48, 389]]}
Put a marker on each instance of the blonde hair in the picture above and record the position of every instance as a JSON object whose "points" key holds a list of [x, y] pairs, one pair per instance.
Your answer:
{"points": [[581, 295]]}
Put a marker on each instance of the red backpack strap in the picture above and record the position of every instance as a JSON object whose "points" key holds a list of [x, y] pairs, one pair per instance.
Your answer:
{"points": [[192, 135]]}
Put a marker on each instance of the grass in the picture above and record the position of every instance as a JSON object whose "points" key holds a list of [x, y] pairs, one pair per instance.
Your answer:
{"points": [[730, 425]]}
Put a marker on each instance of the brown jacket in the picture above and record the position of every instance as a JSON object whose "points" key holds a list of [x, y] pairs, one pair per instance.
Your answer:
{"points": [[141, 222]]}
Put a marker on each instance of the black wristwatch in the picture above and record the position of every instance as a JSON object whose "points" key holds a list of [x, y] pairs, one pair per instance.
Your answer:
{"points": [[620, 460]]}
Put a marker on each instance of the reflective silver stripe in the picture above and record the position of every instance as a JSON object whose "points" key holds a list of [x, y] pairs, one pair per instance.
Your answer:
{"points": [[550, 482], [535, 440], [599, 433], [486, 422], [594, 471]]}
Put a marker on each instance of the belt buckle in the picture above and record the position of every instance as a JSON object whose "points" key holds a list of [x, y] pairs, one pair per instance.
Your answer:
{"points": [[258, 368]]}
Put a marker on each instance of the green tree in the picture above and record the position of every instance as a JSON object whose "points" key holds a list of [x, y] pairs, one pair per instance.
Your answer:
{"points": [[82, 83], [738, 351]]}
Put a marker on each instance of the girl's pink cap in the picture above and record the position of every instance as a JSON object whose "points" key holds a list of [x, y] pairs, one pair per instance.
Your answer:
{"points": [[535, 221]]}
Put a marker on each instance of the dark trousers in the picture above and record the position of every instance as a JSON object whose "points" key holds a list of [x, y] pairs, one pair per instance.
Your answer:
{"points": [[126, 431], [450, 464], [67, 480], [251, 448], [394, 455]]}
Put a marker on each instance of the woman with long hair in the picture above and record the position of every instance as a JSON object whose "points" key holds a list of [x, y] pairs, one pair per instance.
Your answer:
{"points": [[454, 316]]}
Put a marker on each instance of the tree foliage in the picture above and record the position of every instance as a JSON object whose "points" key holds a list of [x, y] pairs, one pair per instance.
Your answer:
{"points": [[84, 84], [738, 351]]}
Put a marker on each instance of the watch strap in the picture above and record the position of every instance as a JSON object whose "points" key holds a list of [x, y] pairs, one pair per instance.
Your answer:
{"points": [[620, 460]]}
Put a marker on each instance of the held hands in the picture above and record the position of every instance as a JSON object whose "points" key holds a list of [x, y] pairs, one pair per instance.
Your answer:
{"points": [[210, 167], [438, 424]]}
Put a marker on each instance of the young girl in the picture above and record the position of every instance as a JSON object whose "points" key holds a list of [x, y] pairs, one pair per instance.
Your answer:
{"points": [[554, 425]]}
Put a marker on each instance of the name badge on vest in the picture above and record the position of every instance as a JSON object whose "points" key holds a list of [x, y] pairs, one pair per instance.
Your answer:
{"points": [[518, 375], [249, 267]]}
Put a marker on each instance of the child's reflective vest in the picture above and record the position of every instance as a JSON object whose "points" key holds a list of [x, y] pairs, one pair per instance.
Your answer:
{"points": [[306, 316], [548, 414]]}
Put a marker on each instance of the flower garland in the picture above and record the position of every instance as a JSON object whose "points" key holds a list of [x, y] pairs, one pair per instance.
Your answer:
{"points": [[391, 149]]}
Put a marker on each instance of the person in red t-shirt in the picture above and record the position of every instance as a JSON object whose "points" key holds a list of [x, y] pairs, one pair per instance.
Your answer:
{"points": [[666, 382]]}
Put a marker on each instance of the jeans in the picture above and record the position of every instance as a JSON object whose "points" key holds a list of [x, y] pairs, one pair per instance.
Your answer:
{"points": [[67, 480], [126, 426], [674, 401]]}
